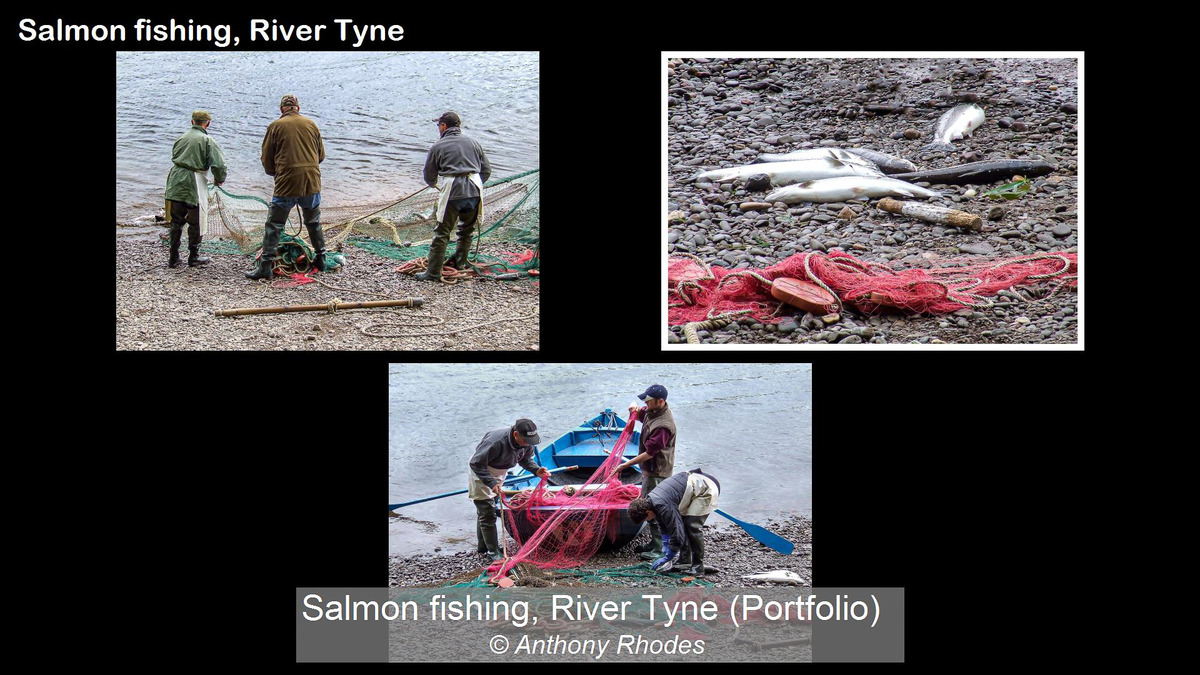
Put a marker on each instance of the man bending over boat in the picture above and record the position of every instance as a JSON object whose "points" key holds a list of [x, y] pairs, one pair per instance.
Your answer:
{"points": [[499, 451], [680, 505], [656, 452]]}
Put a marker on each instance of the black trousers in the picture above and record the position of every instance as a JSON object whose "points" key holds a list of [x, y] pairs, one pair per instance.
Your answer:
{"points": [[182, 212], [464, 213]]}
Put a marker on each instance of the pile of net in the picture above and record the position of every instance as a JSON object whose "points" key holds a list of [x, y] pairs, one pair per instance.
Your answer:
{"points": [[697, 292], [529, 575], [569, 535], [400, 230]]}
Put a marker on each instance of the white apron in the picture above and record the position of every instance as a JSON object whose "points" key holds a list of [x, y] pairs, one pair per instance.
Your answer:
{"points": [[477, 490], [202, 197], [699, 497], [445, 183]]}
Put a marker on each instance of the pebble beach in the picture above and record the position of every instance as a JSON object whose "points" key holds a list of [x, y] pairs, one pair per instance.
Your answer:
{"points": [[159, 308], [726, 112]]}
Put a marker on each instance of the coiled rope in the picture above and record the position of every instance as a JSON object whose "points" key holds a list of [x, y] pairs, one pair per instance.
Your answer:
{"points": [[689, 330]]}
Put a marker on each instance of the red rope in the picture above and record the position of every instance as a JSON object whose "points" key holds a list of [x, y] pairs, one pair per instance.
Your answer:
{"points": [[696, 293]]}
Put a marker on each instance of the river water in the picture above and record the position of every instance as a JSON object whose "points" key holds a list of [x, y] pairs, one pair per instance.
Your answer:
{"points": [[374, 109], [750, 425]]}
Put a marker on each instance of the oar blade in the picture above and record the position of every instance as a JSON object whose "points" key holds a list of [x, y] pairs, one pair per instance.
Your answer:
{"points": [[763, 535]]}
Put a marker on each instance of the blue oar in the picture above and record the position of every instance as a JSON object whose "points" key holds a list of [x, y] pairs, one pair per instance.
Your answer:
{"points": [[460, 492], [764, 535]]}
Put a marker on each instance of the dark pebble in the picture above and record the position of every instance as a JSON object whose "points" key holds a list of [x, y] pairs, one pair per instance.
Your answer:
{"points": [[758, 182]]}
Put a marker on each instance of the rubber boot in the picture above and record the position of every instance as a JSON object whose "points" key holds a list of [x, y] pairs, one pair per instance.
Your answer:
{"points": [[176, 234], [685, 554], [194, 257], [437, 254], [487, 528], [695, 536], [312, 220], [277, 216], [463, 249], [655, 551]]}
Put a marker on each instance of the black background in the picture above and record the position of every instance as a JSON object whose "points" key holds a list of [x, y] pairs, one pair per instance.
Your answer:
{"points": [[949, 474]]}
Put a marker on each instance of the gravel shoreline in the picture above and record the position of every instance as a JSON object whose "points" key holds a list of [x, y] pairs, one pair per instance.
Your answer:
{"points": [[159, 308], [727, 548], [726, 112]]}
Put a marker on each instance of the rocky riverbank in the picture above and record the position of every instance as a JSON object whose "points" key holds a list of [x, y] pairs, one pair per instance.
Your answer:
{"points": [[159, 308], [726, 112], [728, 549]]}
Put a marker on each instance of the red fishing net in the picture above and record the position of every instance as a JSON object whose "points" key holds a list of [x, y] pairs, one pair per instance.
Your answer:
{"points": [[568, 528], [697, 292]]}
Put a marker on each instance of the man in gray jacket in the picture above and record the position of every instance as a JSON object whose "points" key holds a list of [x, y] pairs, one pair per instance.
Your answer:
{"points": [[680, 505], [499, 451], [464, 168]]}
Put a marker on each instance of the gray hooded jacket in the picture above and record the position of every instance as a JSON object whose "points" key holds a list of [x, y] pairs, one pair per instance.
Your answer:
{"points": [[457, 155]]}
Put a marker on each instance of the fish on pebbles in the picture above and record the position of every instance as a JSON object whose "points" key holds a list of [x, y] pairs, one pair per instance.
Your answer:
{"points": [[884, 162], [782, 173], [847, 187], [955, 124], [980, 172], [817, 153]]}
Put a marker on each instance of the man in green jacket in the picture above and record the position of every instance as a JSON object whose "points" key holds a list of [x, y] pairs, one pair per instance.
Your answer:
{"points": [[292, 152], [193, 154]]}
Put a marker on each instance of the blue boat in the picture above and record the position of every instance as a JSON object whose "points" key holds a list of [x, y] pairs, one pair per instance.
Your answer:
{"points": [[586, 446]]}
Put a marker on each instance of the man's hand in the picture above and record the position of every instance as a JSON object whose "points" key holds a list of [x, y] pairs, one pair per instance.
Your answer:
{"points": [[543, 472]]}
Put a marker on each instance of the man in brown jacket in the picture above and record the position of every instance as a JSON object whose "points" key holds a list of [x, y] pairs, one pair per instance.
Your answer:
{"points": [[656, 454], [292, 152]]}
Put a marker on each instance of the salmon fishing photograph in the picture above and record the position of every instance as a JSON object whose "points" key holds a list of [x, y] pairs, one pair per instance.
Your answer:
{"points": [[600, 475], [327, 201], [898, 200]]}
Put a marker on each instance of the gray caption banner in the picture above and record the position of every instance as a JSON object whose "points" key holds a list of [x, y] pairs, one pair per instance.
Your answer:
{"points": [[689, 624]]}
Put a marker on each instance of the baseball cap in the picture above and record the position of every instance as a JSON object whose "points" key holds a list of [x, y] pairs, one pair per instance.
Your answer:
{"points": [[528, 430], [655, 391], [449, 118]]}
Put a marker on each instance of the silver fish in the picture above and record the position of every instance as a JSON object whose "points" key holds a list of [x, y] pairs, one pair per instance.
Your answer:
{"points": [[777, 576], [956, 123], [887, 163], [847, 187], [818, 153], [782, 173]]}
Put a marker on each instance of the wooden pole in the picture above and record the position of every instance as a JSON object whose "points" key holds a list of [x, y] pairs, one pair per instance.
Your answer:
{"points": [[932, 214], [331, 307]]}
